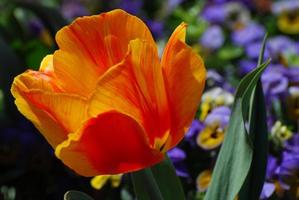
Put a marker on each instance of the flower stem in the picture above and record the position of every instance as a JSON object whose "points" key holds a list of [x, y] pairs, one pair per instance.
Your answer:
{"points": [[151, 191]]}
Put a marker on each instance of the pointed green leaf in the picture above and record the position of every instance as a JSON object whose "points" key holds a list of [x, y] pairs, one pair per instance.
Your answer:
{"points": [[145, 185], [253, 185], [244, 149], [167, 180], [158, 182], [254, 182]]}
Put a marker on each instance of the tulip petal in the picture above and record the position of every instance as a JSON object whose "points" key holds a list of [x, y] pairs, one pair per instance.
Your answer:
{"points": [[52, 131], [46, 65], [54, 114], [93, 44], [69, 110], [170, 50], [111, 143], [184, 76], [136, 87]]}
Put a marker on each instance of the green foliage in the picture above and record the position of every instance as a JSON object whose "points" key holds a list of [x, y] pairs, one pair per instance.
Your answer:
{"points": [[159, 182], [230, 52], [258, 134], [242, 159]]}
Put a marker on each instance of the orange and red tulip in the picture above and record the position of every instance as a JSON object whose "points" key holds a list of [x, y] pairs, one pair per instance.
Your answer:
{"points": [[105, 101]]}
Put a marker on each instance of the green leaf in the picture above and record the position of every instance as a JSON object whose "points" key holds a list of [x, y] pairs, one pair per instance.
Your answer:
{"points": [[167, 180], [159, 182], [233, 160], [145, 186], [76, 195], [230, 52], [241, 162], [254, 182]]}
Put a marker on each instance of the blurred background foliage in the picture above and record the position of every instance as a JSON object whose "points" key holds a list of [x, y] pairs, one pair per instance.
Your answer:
{"points": [[227, 33]]}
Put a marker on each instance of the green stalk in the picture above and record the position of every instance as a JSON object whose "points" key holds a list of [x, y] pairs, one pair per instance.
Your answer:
{"points": [[151, 190]]}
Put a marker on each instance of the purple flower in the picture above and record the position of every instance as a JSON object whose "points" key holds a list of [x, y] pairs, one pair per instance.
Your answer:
{"points": [[131, 6], [172, 4], [267, 191], [232, 13], [275, 83], [219, 1], [156, 27], [214, 13], [280, 7], [250, 33], [181, 169], [292, 145], [193, 131], [253, 50], [216, 123], [195, 127], [293, 74], [245, 66], [281, 45], [214, 79], [219, 115], [236, 14], [272, 165], [176, 154], [212, 38], [248, 3], [72, 9], [288, 171]]}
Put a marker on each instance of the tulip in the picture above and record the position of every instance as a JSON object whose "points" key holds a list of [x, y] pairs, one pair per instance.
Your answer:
{"points": [[105, 101]]}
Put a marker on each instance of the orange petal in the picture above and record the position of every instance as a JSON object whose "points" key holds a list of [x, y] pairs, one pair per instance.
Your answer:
{"points": [[184, 75], [178, 34], [46, 65], [111, 143], [53, 132], [136, 88], [68, 110], [92, 45], [54, 114]]}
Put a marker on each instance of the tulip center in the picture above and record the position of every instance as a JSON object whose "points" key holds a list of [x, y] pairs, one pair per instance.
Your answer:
{"points": [[160, 143]]}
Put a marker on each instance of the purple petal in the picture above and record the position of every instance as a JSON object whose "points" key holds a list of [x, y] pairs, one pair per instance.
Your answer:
{"points": [[268, 190], [212, 38], [248, 34], [176, 154], [195, 128]]}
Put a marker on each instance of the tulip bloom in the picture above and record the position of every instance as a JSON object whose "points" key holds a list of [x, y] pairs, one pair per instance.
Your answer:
{"points": [[105, 101]]}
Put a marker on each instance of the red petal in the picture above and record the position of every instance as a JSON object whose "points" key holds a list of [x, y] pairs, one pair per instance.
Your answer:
{"points": [[111, 143]]}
